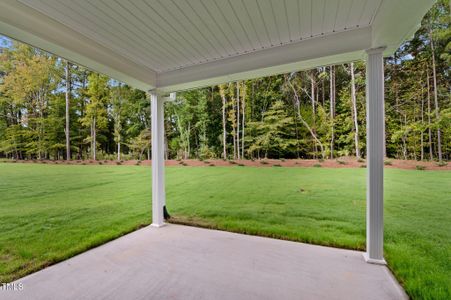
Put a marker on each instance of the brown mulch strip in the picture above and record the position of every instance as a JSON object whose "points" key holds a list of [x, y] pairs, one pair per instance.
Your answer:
{"points": [[342, 162]]}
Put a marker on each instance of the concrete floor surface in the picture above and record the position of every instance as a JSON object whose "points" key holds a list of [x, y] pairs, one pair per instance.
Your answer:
{"points": [[181, 262]]}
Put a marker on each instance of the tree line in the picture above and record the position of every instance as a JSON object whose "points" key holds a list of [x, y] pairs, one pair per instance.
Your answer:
{"points": [[53, 109]]}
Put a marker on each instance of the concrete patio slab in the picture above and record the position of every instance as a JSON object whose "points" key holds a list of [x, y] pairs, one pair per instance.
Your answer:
{"points": [[180, 262]]}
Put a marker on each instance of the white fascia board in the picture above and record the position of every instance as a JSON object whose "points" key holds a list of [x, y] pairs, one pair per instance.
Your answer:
{"points": [[318, 51], [24, 24], [397, 21]]}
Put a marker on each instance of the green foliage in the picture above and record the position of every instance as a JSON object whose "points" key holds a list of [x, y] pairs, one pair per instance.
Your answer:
{"points": [[274, 133], [285, 116], [95, 116], [138, 145]]}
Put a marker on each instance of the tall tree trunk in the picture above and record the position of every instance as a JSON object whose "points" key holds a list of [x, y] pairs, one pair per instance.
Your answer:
{"points": [[82, 114], [119, 149], [404, 139], [431, 154], [354, 114], [312, 133], [187, 154], [332, 110], [224, 127], [323, 91], [396, 89], [295, 120], [238, 118], [313, 95], [94, 139], [68, 95], [243, 107], [40, 131], [234, 141], [437, 112], [233, 116], [422, 126]]}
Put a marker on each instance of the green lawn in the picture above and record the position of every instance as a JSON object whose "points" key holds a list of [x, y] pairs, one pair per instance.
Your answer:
{"points": [[51, 212]]}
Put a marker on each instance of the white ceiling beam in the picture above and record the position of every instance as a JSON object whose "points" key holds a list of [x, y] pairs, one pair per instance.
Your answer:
{"points": [[27, 25], [323, 50]]}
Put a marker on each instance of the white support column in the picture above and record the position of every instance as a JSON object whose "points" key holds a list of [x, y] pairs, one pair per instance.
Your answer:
{"points": [[375, 156], [158, 185]]}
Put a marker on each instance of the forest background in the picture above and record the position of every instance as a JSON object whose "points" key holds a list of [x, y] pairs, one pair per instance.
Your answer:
{"points": [[53, 109]]}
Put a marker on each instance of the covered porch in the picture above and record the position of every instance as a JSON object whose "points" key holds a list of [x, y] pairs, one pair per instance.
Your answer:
{"points": [[168, 46], [181, 262]]}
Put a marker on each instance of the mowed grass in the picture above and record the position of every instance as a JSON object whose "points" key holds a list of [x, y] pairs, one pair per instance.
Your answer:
{"points": [[51, 212]]}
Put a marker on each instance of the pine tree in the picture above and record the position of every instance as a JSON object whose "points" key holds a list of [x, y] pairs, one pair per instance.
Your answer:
{"points": [[96, 114]]}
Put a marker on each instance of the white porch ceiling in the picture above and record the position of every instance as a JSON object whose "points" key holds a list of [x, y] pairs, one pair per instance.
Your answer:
{"points": [[180, 44], [167, 35]]}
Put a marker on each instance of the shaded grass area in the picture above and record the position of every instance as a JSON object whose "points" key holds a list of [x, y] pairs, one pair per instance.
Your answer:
{"points": [[51, 212]]}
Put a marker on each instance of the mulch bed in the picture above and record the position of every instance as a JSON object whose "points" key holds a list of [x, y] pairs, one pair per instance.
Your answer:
{"points": [[342, 162]]}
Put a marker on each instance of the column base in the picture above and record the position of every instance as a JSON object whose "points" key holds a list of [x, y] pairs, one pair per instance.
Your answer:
{"points": [[158, 225], [374, 261]]}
